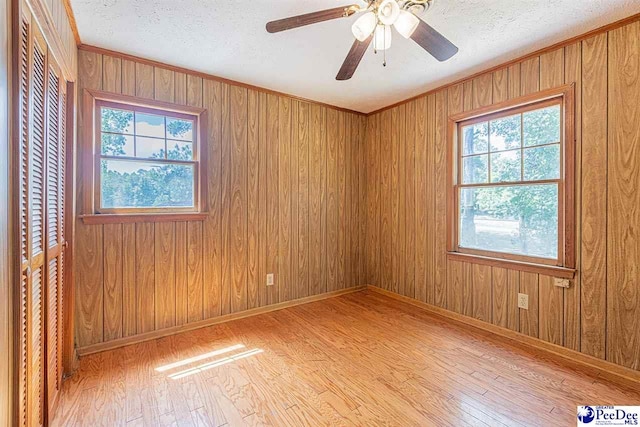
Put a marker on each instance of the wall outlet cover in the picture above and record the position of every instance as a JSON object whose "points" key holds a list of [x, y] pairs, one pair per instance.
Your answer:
{"points": [[523, 301], [270, 279]]}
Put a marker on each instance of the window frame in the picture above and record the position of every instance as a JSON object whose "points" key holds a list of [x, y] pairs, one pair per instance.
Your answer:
{"points": [[564, 265], [94, 101]]}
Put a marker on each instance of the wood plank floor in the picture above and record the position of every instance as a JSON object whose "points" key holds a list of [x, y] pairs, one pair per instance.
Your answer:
{"points": [[359, 359]]}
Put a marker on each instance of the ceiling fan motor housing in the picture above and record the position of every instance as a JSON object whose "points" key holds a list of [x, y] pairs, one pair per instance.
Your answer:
{"points": [[417, 7]]}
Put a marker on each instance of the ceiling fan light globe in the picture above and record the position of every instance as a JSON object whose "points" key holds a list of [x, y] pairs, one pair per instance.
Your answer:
{"points": [[406, 23], [382, 37], [388, 12], [364, 26]]}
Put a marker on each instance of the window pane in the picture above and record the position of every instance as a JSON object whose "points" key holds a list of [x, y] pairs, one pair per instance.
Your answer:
{"points": [[126, 184], [474, 169], [150, 125], [114, 144], [542, 126], [512, 219], [505, 166], [150, 148], [475, 138], [542, 162], [180, 129], [505, 133], [179, 150], [113, 120]]}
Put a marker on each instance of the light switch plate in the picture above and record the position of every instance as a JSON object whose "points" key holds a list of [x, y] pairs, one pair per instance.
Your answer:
{"points": [[270, 279]]}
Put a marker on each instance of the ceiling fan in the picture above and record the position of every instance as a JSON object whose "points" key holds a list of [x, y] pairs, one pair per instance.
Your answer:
{"points": [[378, 16]]}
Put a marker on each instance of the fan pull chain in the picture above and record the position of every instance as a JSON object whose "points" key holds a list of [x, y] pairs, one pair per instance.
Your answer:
{"points": [[384, 53]]}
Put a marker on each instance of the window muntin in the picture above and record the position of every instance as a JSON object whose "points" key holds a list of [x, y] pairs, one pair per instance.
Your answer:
{"points": [[147, 160], [510, 184]]}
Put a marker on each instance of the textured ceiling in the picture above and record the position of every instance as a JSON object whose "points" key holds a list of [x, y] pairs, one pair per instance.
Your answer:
{"points": [[228, 39]]}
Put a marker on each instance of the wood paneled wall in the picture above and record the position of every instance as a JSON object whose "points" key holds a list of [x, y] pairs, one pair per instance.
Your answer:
{"points": [[406, 214], [283, 186]]}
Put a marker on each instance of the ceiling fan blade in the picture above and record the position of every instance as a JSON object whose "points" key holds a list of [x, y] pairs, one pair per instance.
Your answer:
{"points": [[433, 42], [310, 18], [353, 58]]}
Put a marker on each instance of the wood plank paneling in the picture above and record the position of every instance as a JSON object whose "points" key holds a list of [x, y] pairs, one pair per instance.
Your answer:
{"points": [[514, 81], [303, 249], [623, 197], [144, 82], [332, 200], [482, 90], [129, 284], [112, 281], [145, 277], [164, 84], [195, 298], [552, 69], [165, 275], [128, 77], [111, 74], [529, 324], [182, 290], [180, 89], [284, 205], [398, 150], [317, 161], [594, 196], [572, 308], [195, 92], [89, 296], [500, 298], [530, 76], [212, 288], [253, 199], [481, 291], [410, 201], [373, 174], [500, 85], [386, 219], [431, 198], [293, 185], [440, 171], [238, 198], [551, 316], [273, 198], [421, 190]]}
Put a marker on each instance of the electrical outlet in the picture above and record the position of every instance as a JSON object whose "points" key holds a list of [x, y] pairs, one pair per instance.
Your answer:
{"points": [[270, 279], [523, 301]]}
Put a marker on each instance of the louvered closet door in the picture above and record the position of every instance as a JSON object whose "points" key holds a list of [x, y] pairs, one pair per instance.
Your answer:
{"points": [[25, 222], [55, 229], [42, 155], [37, 271]]}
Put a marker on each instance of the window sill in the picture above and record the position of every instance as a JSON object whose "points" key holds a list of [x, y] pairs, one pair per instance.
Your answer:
{"points": [[548, 270], [149, 217]]}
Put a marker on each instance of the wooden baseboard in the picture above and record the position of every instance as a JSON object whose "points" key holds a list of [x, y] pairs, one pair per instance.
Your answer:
{"points": [[602, 368], [122, 342]]}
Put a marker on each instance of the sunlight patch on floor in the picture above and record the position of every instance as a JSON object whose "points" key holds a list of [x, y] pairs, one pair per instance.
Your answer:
{"points": [[215, 363], [199, 358]]}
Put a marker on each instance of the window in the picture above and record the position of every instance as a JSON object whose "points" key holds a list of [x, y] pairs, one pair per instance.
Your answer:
{"points": [[513, 181], [147, 156]]}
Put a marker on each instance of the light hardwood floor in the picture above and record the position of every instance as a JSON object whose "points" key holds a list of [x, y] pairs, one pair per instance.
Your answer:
{"points": [[358, 359]]}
